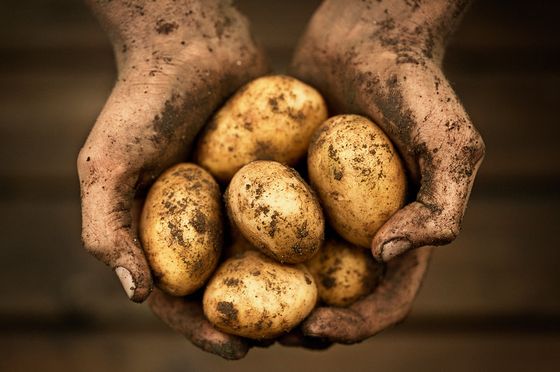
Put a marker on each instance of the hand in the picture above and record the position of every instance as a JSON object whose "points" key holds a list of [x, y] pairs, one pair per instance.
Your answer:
{"points": [[388, 305], [186, 317], [177, 61], [383, 60]]}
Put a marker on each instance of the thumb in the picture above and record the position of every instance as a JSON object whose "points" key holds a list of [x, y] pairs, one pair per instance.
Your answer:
{"points": [[109, 231], [435, 217], [133, 139]]}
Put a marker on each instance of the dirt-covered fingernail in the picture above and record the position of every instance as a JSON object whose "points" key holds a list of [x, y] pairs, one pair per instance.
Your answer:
{"points": [[126, 280], [393, 248]]}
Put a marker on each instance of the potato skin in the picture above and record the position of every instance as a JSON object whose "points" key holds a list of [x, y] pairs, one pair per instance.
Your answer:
{"points": [[253, 296], [181, 228], [276, 211], [343, 272], [358, 176], [270, 118]]}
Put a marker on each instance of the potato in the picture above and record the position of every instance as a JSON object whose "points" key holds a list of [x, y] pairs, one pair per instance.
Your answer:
{"points": [[358, 176], [181, 228], [343, 272], [253, 296], [271, 118], [276, 211]]}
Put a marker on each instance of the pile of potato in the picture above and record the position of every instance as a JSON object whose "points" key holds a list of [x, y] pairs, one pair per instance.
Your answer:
{"points": [[275, 265]]}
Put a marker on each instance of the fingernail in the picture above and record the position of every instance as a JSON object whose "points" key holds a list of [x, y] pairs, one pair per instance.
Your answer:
{"points": [[126, 280], [394, 247]]}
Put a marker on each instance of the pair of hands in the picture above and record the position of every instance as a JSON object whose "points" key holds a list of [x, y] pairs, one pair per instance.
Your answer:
{"points": [[178, 61]]}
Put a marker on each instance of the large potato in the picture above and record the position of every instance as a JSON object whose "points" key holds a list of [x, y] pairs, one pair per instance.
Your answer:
{"points": [[253, 296], [181, 228], [358, 176], [271, 118], [276, 211], [343, 272]]}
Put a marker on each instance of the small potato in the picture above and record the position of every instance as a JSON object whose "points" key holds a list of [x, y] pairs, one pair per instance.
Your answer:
{"points": [[181, 228], [271, 118], [253, 296], [358, 176], [343, 272], [276, 211]]}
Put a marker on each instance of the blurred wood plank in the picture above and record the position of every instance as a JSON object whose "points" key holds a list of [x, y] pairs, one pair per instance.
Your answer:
{"points": [[516, 116], [141, 351], [48, 23], [504, 261], [45, 120], [515, 24]]}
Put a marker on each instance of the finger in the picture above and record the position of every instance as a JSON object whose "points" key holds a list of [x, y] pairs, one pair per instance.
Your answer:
{"points": [[296, 338], [435, 217], [340, 325], [443, 151], [109, 220], [186, 317], [143, 129], [388, 305], [131, 143]]}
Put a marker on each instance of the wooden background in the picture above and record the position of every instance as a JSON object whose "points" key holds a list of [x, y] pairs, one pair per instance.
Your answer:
{"points": [[491, 300]]}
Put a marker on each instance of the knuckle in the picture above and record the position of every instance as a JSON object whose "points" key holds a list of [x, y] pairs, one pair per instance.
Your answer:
{"points": [[88, 167], [449, 231], [82, 158], [106, 245], [108, 174], [481, 146], [463, 160], [96, 156], [453, 231], [119, 219], [478, 144], [93, 246], [475, 149], [444, 227]]}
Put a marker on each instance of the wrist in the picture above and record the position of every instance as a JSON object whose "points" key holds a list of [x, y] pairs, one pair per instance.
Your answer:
{"points": [[143, 26], [440, 17], [419, 28], [431, 24]]}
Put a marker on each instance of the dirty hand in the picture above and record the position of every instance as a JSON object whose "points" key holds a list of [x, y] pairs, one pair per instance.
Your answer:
{"points": [[388, 305], [383, 60], [177, 61], [185, 316]]}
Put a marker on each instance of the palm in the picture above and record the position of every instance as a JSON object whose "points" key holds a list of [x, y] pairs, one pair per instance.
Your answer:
{"points": [[172, 75]]}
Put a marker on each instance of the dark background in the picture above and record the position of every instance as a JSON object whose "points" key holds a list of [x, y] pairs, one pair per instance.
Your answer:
{"points": [[491, 300]]}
